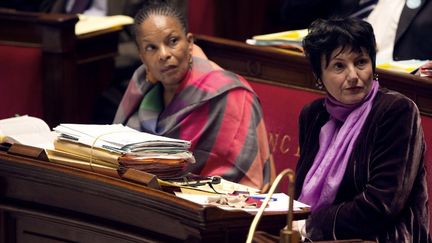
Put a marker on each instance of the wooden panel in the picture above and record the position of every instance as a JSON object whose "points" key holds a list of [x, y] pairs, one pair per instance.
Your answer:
{"points": [[33, 227]]}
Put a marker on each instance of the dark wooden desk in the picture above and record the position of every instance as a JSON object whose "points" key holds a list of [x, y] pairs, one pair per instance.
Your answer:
{"points": [[45, 202], [75, 69]]}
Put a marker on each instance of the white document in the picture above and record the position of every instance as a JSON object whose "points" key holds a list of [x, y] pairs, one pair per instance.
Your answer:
{"points": [[27, 130], [405, 66], [88, 24], [279, 202]]}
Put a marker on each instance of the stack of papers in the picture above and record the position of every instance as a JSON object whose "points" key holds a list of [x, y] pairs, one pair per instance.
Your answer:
{"points": [[120, 148], [106, 149], [405, 66], [119, 138], [88, 24], [287, 39]]}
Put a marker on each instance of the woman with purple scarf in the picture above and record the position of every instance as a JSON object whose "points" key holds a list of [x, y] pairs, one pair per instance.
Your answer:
{"points": [[361, 165]]}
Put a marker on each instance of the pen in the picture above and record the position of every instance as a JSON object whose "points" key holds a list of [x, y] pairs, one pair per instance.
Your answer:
{"points": [[262, 198]]}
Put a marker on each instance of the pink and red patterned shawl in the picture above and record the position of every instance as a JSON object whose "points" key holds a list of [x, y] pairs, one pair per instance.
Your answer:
{"points": [[216, 110]]}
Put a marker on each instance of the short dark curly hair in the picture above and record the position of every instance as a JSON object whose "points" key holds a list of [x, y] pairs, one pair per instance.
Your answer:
{"points": [[325, 36]]}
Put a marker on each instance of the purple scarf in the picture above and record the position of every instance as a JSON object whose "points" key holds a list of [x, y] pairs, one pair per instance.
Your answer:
{"points": [[336, 141]]}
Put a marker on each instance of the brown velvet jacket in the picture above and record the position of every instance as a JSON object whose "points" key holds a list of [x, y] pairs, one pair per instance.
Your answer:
{"points": [[383, 195]]}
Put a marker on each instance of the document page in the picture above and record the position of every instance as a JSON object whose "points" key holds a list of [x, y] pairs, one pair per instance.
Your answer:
{"points": [[27, 130]]}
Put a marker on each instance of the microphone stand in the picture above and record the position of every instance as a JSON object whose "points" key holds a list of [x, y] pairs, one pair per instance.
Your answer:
{"points": [[287, 234]]}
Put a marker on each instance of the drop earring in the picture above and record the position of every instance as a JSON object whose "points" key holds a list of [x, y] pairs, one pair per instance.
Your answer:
{"points": [[190, 62], [319, 84], [150, 78]]}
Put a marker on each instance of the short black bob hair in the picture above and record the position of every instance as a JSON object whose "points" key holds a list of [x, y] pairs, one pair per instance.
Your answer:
{"points": [[325, 36]]}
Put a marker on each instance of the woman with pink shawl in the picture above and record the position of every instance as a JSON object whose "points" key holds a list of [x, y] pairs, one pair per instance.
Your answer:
{"points": [[179, 93]]}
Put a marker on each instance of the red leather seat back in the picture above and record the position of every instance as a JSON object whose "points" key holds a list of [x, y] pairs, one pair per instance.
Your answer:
{"points": [[281, 107], [20, 81]]}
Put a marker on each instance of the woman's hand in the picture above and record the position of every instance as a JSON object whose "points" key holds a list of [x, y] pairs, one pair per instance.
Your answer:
{"points": [[425, 70], [300, 226]]}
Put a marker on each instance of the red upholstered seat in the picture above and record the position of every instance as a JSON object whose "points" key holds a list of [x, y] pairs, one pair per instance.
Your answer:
{"points": [[20, 81], [281, 106]]}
